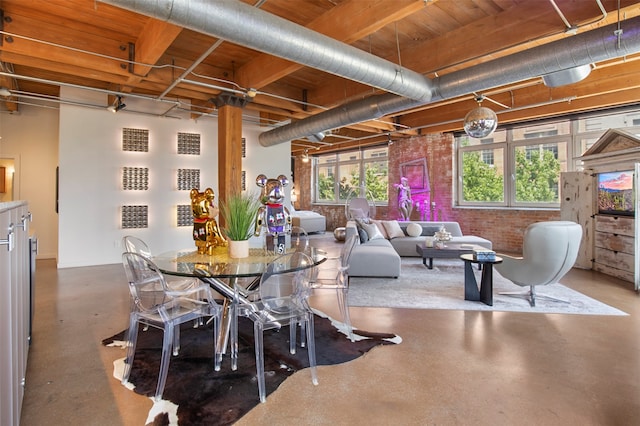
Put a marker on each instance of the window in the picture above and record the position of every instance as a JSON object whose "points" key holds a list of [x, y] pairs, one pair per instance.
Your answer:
{"points": [[531, 157], [338, 175], [521, 166]]}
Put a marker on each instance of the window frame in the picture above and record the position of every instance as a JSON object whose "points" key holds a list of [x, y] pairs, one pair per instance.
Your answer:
{"points": [[574, 150], [509, 147], [336, 164]]}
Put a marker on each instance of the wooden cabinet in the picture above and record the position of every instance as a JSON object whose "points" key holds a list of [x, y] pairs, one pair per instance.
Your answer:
{"points": [[614, 246], [616, 239], [14, 308]]}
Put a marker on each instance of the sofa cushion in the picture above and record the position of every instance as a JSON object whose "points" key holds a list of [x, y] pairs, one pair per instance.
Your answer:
{"points": [[414, 230], [393, 229], [380, 226], [362, 235], [374, 259], [429, 231], [373, 231], [380, 242]]}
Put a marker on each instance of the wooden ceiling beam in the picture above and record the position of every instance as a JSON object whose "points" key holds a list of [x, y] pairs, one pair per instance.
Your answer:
{"points": [[520, 27], [347, 22], [154, 40], [606, 87], [38, 39]]}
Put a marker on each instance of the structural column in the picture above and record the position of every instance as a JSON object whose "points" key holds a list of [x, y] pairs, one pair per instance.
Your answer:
{"points": [[229, 145]]}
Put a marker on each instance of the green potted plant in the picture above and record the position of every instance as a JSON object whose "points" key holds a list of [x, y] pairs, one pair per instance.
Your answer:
{"points": [[239, 212]]}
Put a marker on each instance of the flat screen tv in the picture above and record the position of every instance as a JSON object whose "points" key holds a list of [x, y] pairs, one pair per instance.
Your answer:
{"points": [[615, 193]]}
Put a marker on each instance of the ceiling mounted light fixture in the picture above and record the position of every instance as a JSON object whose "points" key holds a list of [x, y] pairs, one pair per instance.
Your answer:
{"points": [[117, 105], [480, 122], [568, 76], [5, 92], [305, 156]]}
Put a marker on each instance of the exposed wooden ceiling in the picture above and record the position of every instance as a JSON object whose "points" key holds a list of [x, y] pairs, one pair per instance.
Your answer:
{"points": [[87, 43]]}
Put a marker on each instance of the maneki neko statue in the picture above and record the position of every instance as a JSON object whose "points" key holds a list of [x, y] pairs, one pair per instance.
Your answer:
{"points": [[206, 233], [273, 215]]}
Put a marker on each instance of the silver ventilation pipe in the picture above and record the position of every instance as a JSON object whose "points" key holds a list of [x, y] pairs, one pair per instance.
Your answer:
{"points": [[354, 112], [251, 27], [259, 30], [575, 51]]}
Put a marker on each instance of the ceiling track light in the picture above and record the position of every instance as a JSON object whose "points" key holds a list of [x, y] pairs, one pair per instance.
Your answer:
{"points": [[5, 92], [117, 105], [305, 156]]}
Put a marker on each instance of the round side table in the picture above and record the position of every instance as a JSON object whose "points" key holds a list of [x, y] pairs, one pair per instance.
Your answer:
{"points": [[340, 233]]}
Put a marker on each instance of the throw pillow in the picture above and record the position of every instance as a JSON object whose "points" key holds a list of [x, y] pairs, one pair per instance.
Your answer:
{"points": [[430, 231], [373, 231], [414, 230], [364, 237], [393, 228], [362, 233], [381, 228], [362, 220]]}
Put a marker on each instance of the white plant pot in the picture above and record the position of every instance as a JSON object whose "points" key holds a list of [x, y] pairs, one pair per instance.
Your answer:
{"points": [[239, 249]]}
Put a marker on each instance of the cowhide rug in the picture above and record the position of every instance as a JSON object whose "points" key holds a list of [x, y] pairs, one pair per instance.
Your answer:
{"points": [[206, 397]]}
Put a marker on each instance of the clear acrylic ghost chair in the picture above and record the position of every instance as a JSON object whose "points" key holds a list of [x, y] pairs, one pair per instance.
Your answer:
{"points": [[549, 251], [153, 305], [282, 300], [299, 239], [136, 245], [340, 283], [177, 285]]}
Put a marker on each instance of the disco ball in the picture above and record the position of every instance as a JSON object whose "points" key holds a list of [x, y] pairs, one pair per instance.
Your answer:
{"points": [[480, 122]]}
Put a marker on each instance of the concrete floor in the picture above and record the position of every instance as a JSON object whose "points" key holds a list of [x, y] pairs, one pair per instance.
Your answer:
{"points": [[453, 367]]}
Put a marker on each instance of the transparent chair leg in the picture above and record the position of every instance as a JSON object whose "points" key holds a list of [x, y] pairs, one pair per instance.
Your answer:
{"points": [[176, 340], [167, 344], [259, 342], [311, 348], [341, 294], [303, 334], [293, 331], [132, 338], [217, 351]]}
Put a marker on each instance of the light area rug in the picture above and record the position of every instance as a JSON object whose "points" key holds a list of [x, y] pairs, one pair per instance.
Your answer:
{"points": [[443, 288]]}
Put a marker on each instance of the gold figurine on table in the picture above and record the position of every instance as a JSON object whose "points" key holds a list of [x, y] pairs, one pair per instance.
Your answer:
{"points": [[206, 233]]}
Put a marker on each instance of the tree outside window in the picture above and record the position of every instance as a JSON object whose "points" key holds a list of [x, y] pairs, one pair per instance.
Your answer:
{"points": [[338, 176]]}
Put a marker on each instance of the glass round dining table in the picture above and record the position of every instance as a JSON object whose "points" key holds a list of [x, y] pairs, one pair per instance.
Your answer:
{"points": [[222, 273], [190, 263]]}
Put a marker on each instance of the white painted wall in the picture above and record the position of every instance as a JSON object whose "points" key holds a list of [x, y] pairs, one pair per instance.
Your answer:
{"points": [[30, 137], [91, 194], [87, 144]]}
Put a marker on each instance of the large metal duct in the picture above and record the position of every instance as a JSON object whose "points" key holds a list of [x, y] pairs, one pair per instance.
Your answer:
{"points": [[251, 27], [575, 51]]}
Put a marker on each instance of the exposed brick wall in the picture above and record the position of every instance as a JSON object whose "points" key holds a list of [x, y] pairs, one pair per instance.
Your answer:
{"points": [[503, 227]]}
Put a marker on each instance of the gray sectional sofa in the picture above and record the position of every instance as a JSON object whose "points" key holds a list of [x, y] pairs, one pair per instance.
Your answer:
{"points": [[381, 257], [308, 220]]}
